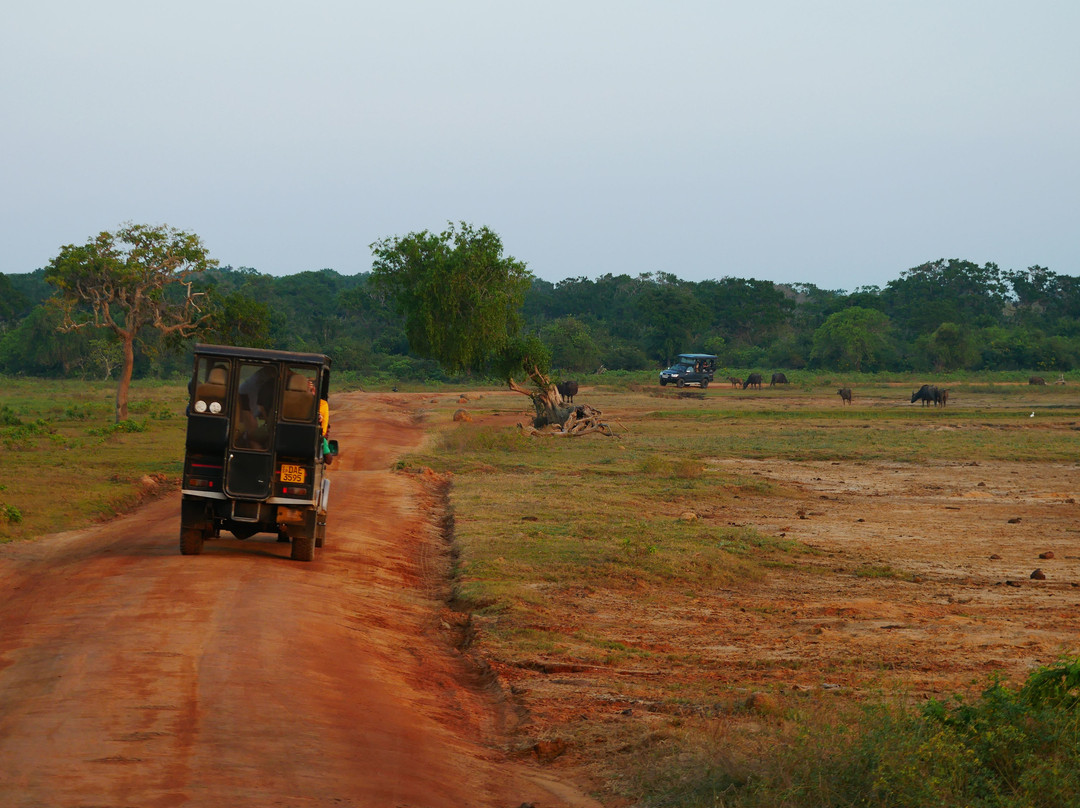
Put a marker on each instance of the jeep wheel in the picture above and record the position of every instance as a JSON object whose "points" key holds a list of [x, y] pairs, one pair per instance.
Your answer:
{"points": [[191, 541], [663, 383], [704, 383], [303, 548], [680, 383]]}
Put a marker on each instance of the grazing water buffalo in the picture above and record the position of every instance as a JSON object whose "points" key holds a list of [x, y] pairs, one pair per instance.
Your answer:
{"points": [[567, 390], [927, 394], [778, 378], [845, 395], [753, 380], [1036, 380]]}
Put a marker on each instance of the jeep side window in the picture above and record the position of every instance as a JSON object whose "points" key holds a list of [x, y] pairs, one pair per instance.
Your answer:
{"points": [[209, 386], [300, 395]]}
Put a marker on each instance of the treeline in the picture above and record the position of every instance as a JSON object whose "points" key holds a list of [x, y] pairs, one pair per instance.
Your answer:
{"points": [[941, 316]]}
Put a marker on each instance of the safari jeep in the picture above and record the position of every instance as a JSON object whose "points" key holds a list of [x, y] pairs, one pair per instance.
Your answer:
{"points": [[254, 457], [690, 369]]}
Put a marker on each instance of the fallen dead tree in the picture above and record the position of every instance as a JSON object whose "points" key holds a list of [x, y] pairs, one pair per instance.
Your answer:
{"points": [[582, 421], [553, 416]]}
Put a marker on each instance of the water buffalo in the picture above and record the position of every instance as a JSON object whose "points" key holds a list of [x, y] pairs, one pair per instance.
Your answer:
{"points": [[753, 380], [735, 381], [927, 394], [778, 378], [1036, 380], [567, 390], [845, 395]]}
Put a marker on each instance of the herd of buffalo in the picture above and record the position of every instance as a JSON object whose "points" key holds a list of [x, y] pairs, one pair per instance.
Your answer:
{"points": [[927, 394], [755, 379]]}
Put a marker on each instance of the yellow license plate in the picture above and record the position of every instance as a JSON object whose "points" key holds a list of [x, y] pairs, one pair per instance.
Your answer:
{"points": [[292, 474]]}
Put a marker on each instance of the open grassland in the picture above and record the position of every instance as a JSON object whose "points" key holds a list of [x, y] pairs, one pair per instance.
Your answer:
{"points": [[746, 598], [713, 607], [64, 462]]}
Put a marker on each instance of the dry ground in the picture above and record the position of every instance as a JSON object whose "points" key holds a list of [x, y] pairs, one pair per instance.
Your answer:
{"points": [[920, 585]]}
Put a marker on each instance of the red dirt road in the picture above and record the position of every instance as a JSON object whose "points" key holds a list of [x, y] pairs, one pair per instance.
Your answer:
{"points": [[133, 676]]}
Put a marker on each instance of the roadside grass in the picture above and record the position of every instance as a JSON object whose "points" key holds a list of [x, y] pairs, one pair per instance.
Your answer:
{"points": [[1007, 747], [63, 461], [547, 527], [534, 518]]}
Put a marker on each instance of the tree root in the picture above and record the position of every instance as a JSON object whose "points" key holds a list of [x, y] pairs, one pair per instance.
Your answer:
{"points": [[553, 416]]}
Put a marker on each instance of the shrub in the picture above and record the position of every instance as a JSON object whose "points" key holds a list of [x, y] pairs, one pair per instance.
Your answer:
{"points": [[8, 416], [122, 426], [78, 412], [1008, 748]]}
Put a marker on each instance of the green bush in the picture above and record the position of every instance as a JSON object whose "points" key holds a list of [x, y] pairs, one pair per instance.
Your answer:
{"points": [[1008, 748], [8, 416], [24, 436], [122, 426], [78, 412]]}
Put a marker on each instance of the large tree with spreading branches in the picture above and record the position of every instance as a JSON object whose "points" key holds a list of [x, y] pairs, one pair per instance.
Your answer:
{"points": [[139, 277], [459, 297]]}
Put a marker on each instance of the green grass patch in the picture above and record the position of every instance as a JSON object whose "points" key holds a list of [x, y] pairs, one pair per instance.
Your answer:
{"points": [[66, 463]]}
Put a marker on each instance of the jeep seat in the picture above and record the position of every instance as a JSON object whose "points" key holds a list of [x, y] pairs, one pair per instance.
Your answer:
{"points": [[213, 389], [299, 404]]}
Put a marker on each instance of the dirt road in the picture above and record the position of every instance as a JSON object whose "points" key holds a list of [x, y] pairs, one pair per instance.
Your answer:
{"points": [[133, 676]]}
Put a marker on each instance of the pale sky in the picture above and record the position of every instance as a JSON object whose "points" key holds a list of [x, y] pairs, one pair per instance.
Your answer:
{"points": [[836, 143]]}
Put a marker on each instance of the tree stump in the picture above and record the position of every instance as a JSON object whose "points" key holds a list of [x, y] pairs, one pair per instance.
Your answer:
{"points": [[553, 415]]}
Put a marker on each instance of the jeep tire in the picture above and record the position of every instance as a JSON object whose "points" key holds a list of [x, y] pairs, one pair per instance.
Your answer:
{"points": [[191, 540], [303, 548]]}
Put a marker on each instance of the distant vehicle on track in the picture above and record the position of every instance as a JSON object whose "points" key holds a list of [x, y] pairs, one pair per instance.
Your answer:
{"points": [[690, 369]]}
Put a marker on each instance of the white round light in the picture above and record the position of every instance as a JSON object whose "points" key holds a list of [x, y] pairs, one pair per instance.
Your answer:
{"points": [[215, 407], [200, 406]]}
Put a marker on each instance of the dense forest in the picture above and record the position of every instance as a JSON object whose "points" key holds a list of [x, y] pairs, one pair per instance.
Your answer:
{"points": [[941, 316]]}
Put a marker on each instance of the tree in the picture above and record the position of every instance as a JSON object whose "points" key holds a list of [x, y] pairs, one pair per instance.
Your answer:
{"points": [[105, 355], [138, 277], [852, 338], [675, 317], [572, 345], [239, 319], [459, 296], [950, 347], [36, 345], [11, 303], [951, 291]]}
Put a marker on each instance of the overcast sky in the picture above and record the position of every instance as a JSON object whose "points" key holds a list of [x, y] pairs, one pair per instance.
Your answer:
{"points": [[836, 143]]}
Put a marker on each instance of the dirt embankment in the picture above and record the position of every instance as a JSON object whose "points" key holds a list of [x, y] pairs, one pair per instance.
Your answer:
{"points": [[132, 675]]}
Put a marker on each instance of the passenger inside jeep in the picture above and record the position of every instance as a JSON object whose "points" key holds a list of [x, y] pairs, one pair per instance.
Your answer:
{"points": [[255, 401]]}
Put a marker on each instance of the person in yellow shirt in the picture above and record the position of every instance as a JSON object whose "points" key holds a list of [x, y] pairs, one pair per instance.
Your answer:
{"points": [[324, 421]]}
